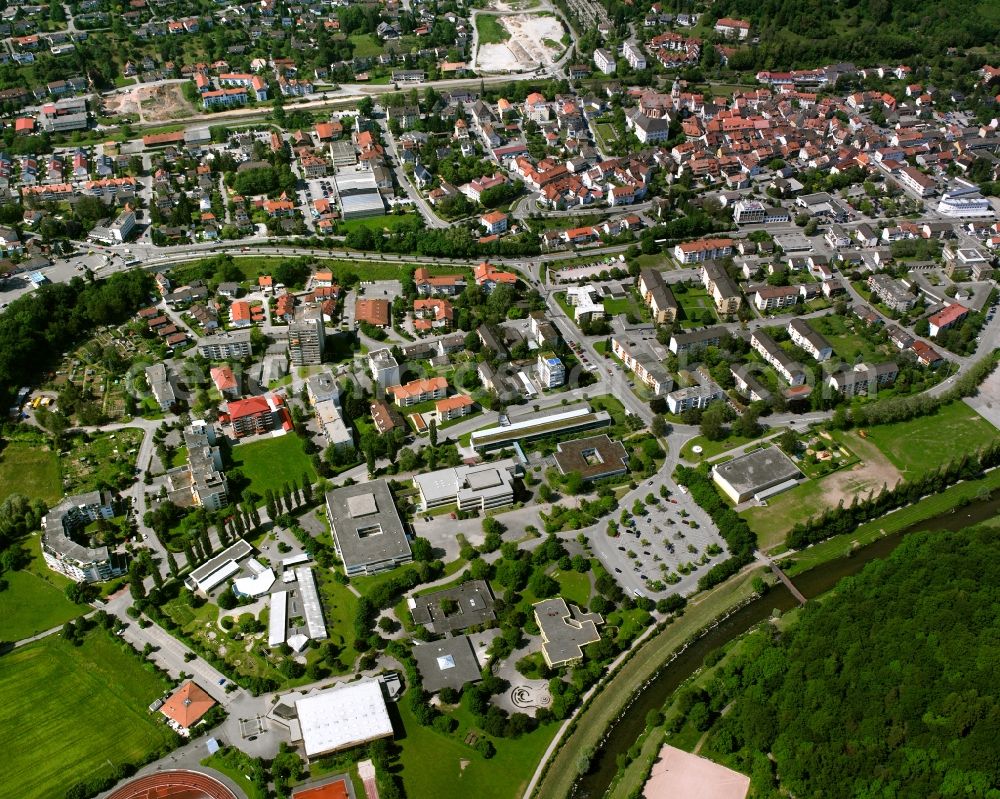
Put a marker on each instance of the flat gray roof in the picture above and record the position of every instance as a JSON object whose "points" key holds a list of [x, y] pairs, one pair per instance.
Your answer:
{"points": [[366, 524], [311, 606], [757, 470], [450, 663], [475, 606], [565, 630]]}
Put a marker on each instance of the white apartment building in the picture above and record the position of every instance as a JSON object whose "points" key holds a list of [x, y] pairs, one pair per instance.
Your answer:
{"points": [[634, 55], [604, 61], [551, 371]]}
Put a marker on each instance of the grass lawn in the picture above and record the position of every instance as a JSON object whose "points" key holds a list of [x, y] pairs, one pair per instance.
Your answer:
{"points": [[30, 605], [365, 45], [712, 448], [339, 606], [772, 522], [847, 344], [31, 470], [612, 405], [271, 462], [67, 712], [955, 429], [606, 133], [490, 30], [573, 587], [379, 223], [432, 762], [697, 308], [231, 763]]}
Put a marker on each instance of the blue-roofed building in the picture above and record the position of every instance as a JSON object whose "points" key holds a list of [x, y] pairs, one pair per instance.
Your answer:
{"points": [[551, 372]]}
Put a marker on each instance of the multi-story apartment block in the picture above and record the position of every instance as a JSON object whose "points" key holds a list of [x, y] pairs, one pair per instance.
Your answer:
{"points": [[638, 358], [226, 346], [306, 339], [782, 362], [551, 371], [657, 295], [809, 340], [64, 524], [695, 252]]}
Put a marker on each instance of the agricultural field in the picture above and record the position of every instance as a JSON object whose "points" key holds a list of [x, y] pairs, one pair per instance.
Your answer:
{"points": [[30, 469], [65, 710], [269, 463]]}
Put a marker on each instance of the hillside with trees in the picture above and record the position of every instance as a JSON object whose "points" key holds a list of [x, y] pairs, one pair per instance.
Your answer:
{"points": [[886, 687], [811, 32]]}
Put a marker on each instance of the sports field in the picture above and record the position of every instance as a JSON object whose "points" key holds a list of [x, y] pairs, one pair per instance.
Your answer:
{"points": [[65, 711], [928, 441]]}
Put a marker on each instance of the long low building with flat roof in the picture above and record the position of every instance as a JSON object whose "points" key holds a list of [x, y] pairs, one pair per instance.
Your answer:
{"points": [[220, 568], [312, 608], [757, 474], [471, 488], [367, 529], [342, 717], [539, 425]]}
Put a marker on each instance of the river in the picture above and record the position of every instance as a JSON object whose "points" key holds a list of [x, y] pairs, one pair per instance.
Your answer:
{"points": [[632, 722]]}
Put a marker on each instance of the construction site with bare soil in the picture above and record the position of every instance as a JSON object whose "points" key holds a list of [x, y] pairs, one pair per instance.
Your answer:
{"points": [[151, 103], [531, 41]]}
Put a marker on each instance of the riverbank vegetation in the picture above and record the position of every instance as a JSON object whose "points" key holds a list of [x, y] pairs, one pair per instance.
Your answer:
{"points": [[884, 687]]}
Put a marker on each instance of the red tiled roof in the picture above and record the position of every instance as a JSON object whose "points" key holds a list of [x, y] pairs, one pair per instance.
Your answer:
{"points": [[374, 312], [188, 704]]}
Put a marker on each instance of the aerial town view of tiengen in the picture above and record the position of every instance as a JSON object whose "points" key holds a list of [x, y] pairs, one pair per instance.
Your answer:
{"points": [[499, 399]]}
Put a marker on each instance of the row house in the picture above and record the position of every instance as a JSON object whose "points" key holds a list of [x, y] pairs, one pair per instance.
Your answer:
{"points": [[769, 349]]}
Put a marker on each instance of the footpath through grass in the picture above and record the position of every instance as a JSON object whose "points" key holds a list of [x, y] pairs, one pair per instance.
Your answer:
{"points": [[67, 711]]}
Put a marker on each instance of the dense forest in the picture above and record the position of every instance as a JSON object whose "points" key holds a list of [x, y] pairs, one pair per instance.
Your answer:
{"points": [[38, 327], [886, 688], [794, 32]]}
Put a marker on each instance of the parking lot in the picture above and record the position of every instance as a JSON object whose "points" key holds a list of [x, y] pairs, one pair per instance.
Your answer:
{"points": [[571, 274], [672, 536], [319, 189]]}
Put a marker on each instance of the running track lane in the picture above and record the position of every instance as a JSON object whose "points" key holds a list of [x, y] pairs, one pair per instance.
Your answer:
{"points": [[174, 785]]}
